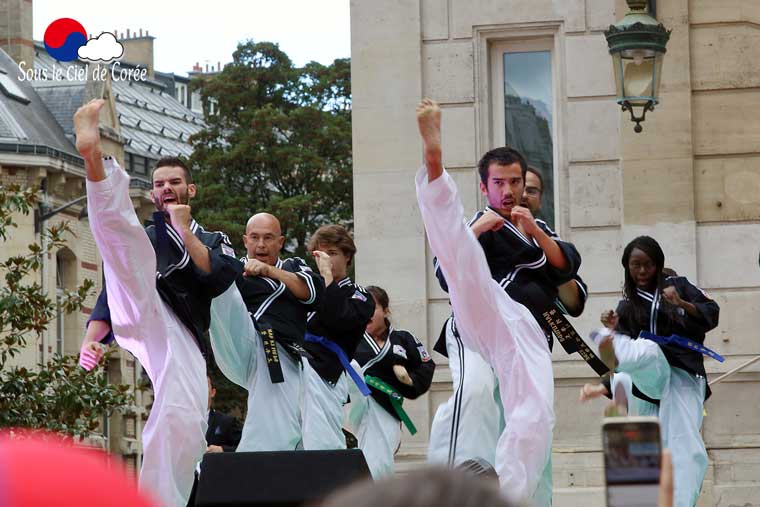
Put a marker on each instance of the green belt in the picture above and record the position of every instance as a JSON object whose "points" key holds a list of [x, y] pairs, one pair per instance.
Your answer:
{"points": [[396, 400]]}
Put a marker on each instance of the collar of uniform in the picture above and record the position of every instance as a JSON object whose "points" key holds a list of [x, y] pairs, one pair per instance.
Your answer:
{"points": [[344, 282], [510, 226], [646, 295], [194, 226], [278, 264]]}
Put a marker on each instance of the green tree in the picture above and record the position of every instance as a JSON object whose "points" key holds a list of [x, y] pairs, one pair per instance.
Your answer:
{"points": [[279, 141], [58, 395]]}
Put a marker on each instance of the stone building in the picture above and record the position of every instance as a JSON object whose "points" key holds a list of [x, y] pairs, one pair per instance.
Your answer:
{"points": [[506, 70]]}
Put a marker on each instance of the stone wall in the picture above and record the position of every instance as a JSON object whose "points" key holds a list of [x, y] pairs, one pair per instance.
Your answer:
{"points": [[690, 179]]}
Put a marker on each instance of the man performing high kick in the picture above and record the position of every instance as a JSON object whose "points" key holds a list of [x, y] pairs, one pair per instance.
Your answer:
{"points": [[159, 314], [490, 322]]}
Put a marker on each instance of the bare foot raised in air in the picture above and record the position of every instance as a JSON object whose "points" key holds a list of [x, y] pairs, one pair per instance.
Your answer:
{"points": [[429, 124]]}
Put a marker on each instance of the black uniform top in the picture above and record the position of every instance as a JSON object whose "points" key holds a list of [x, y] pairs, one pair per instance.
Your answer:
{"points": [[663, 319], [271, 302], [223, 430], [521, 268], [582, 287], [401, 347], [342, 316], [181, 284]]}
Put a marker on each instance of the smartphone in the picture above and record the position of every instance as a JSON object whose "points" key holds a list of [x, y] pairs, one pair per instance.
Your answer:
{"points": [[632, 455]]}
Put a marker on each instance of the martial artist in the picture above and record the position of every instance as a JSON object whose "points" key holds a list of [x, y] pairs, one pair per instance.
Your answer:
{"points": [[488, 319], [468, 425], [669, 374], [160, 287], [396, 365], [257, 334], [572, 295], [333, 332]]}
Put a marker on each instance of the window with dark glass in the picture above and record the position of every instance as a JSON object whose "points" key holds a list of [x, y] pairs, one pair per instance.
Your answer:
{"points": [[528, 116]]}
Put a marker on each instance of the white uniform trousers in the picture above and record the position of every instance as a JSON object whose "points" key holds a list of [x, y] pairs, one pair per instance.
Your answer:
{"points": [[503, 332], [174, 435], [681, 409], [468, 424], [273, 422], [322, 411], [378, 433]]}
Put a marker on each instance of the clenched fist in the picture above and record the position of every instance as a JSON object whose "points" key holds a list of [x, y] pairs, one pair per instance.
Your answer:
{"points": [[610, 319], [489, 221], [402, 375], [180, 216], [90, 355], [255, 267]]}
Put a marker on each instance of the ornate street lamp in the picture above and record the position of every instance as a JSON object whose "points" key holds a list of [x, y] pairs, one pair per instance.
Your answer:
{"points": [[637, 45]]}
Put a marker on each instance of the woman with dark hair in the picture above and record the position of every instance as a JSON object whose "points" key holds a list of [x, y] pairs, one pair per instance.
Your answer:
{"points": [[667, 374], [395, 365]]}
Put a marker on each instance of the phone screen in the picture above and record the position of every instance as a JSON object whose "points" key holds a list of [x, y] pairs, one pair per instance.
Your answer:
{"points": [[632, 463]]}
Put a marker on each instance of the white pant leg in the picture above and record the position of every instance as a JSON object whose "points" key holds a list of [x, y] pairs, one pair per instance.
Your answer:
{"points": [[681, 419], [645, 362], [636, 406], [273, 422], [543, 495], [174, 435], [502, 331], [322, 411], [234, 338], [469, 423], [379, 436]]}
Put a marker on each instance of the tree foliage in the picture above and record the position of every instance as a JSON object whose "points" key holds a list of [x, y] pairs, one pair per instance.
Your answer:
{"points": [[279, 141], [58, 395]]}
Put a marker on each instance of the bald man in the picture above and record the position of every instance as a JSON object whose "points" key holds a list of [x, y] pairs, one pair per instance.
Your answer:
{"points": [[267, 358]]}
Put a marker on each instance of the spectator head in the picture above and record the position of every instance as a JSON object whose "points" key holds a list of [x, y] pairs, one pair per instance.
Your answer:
{"points": [[429, 487]]}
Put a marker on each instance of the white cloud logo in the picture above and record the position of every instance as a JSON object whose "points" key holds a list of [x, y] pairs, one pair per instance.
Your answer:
{"points": [[104, 48]]}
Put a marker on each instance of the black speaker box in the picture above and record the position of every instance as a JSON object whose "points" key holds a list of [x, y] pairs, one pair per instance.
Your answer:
{"points": [[276, 479]]}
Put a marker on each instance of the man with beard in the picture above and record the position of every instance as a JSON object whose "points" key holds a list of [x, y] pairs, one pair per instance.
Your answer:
{"points": [[160, 282], [501, 272], [572, 294]]}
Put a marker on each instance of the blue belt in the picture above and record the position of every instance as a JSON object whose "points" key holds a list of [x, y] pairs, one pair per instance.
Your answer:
{"points": [[343, 358], [682, 342]]}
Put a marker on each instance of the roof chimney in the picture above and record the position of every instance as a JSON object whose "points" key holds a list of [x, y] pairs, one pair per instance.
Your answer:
{"points": [[138, 50], [17, 36]]}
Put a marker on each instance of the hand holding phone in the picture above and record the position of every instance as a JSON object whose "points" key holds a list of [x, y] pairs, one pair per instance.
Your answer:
{"points": [[632, 459]]}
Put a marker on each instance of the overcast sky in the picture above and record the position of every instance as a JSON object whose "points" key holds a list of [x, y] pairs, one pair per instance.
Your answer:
{"points": [[305, 29]]}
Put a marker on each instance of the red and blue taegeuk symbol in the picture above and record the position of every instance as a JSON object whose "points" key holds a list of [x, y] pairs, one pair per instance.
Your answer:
{"points": [[63, 38]]}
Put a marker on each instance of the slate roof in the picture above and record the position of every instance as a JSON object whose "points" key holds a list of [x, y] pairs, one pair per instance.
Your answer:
{"points": [[26, 124], [153, 122]]}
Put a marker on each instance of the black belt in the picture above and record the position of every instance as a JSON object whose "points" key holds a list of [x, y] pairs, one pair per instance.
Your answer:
{"points": [[571, 341], [270, 341], [270, 351]]}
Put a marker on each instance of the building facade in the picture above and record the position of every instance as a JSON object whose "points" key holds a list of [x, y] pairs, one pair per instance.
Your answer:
{"points": [[537, 75]]}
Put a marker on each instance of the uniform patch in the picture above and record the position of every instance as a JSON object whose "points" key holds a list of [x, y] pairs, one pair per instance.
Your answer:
{"points": [[358, 295], [399, 350], [227, 250], [423, 353]]}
